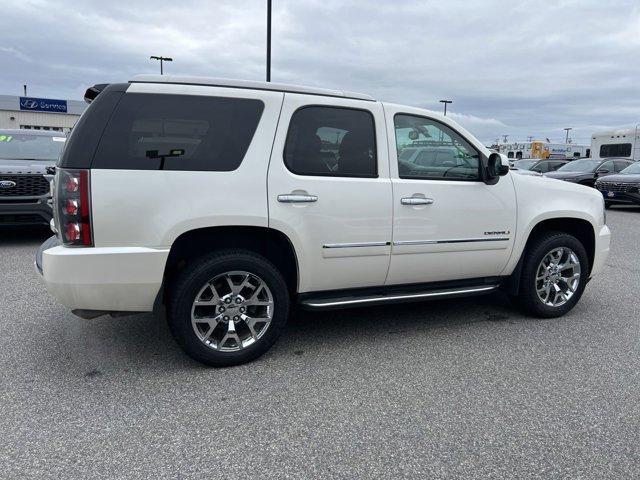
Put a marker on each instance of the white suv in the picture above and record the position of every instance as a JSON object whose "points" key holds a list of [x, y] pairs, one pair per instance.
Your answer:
{"points": [[227, 201]]}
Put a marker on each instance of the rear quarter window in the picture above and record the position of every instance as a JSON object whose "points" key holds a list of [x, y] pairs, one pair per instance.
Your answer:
{"points": [[178, 132]]}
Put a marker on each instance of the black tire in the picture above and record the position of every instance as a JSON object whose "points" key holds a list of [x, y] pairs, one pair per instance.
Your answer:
{"points": [[539, 247], [187, 285]]}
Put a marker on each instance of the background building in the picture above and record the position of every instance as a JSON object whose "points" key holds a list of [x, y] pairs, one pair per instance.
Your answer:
{"points": [[39, 113]]}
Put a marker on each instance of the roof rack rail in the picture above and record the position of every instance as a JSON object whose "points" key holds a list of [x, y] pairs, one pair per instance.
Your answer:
{"points": [[248, 84]]}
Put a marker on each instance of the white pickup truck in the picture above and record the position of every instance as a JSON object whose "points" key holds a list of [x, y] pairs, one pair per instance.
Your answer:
{"points": [[226, 201]]}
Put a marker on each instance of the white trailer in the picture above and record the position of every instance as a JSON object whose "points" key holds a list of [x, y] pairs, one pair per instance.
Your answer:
{"points": [[622, 143], [542, 150]]}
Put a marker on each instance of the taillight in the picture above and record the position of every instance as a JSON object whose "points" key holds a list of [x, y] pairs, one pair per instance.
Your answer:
{"points": [[72, 207]]}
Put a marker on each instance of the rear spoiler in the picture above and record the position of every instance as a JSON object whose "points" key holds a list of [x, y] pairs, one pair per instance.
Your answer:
{"points": [[92, 92]]}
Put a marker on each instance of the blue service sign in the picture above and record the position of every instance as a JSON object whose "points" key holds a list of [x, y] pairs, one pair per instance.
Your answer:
{"points": [[43, 105]]}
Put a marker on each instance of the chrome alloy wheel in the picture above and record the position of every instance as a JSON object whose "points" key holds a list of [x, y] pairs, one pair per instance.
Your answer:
{"points": [[558, 276], [232, 311]]}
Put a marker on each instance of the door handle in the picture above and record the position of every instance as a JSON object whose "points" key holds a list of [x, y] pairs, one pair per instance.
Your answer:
{"points": [[297, 198], [416, 201]]}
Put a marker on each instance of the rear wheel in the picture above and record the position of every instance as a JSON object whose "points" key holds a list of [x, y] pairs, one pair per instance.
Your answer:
{"points": [[228, 308], [554, 275]]}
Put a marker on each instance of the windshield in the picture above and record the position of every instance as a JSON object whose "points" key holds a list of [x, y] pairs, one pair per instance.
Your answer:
{"points": [[634, 168], [22, 146], [524, 164], [580, 166]]}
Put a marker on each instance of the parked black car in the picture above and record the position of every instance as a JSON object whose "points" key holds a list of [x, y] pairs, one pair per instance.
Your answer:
{"points": [[540, 166], [623, 188], [587, 170], [25, 156]]}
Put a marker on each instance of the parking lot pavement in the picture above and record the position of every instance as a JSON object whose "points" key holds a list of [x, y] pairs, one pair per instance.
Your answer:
{"points": [[464, 388]]}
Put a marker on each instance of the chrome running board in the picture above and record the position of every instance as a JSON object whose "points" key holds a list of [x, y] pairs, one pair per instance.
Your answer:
{"points": [[366, 300]]}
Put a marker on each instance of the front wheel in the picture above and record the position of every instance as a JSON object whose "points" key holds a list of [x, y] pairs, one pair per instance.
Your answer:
{"points": [[554, 275], [228, 308]]}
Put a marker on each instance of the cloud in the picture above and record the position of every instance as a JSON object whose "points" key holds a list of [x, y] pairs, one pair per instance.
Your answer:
{"points": [[519, 68]]}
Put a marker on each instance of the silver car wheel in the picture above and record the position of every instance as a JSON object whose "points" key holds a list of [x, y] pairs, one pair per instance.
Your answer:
{"points": [[558, 276], [232, 311]]}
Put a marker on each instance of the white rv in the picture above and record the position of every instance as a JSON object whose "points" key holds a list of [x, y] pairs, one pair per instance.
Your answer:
{"points": [[623, 143]]}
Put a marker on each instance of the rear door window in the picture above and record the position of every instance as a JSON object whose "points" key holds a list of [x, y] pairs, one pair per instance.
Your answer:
{"points": [[178, 132], [331, 141]]}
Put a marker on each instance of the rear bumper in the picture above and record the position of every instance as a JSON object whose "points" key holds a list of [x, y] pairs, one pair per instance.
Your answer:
{"points": [[17, 211], [603, 240], [103, 278]]}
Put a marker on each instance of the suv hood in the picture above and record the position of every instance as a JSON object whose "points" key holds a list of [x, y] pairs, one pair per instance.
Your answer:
{"points": [[15, 166], [630, 178]]}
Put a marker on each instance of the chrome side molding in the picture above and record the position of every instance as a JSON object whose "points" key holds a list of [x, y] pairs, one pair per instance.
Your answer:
{"points": [[340, 302], [354, 245], [454, 240]]}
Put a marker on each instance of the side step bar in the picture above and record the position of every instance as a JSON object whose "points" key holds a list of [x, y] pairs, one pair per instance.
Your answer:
{"points": [[395, 297]]}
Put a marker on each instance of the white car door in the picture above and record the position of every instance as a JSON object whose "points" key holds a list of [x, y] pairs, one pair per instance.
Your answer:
{"points": [[448, 224], [329, 190]]}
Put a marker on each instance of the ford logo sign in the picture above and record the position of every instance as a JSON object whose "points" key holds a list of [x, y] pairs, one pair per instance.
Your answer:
{"points": [[29, 103], [7, 184]]}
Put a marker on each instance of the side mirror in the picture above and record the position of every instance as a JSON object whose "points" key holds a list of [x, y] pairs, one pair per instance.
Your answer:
{"points": [[601, 171], [494, 169]]}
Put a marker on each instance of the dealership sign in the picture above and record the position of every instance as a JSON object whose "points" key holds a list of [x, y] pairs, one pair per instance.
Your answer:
{"points": [[43, 105]]}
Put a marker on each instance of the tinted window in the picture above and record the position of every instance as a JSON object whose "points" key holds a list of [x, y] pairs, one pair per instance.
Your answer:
{"points": [[633, 168], [615, 150], [178, 132], [580, 166], [329, 141], [20, 146], [619, 166], [439, 152], [524, 164], [82, 143], [606, 167], [542, 167]]}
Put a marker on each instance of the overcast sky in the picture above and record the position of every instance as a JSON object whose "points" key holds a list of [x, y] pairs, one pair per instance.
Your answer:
{"points": [[511, 67]]}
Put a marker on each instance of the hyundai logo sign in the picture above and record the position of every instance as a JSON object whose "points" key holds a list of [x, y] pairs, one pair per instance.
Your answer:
{"points": [[7, 184], [43, 105]]}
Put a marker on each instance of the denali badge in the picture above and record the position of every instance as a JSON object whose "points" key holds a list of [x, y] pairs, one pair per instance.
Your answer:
{"points": [[7, 184], [498, 232]]}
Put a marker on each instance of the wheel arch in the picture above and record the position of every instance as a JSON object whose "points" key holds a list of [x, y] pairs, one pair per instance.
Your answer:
{"points": [[580, 228], [268, 242]]}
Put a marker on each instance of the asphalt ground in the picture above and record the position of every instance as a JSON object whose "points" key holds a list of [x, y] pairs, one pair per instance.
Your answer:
{"points": [[451, 389]]}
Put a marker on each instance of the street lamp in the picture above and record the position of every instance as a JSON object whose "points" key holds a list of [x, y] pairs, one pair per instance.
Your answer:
{"points": [[268, 40], [162, 59], [566, 140], [445, 105]]}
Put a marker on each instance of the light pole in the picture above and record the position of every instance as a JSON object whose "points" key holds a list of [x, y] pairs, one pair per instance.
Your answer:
{"points": [[445, 105], [566, 140], [162, 59], [268, 40]]}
